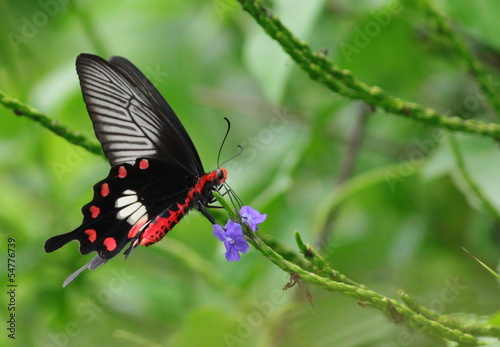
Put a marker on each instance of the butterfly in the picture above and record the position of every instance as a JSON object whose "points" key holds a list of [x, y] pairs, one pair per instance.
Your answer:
{"points": [[156, 174]]}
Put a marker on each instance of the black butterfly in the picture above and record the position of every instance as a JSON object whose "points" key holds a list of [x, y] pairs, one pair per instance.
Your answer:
{"points": [[156, 174]]}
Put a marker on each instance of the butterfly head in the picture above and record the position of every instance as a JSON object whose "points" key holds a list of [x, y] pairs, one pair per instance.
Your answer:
{"points": [[221, 175]]}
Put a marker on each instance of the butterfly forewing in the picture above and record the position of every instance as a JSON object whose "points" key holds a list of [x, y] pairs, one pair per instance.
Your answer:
{"points": [[131, 119]]}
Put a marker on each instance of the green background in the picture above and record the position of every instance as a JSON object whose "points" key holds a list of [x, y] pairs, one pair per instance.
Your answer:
{"points": [[396, 227]]}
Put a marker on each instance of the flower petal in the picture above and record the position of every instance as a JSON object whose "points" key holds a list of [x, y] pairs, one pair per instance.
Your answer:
{"points": [[219, 232], [232, 237], [242, 246], [252, 217], [232, 254], [233, 230]]}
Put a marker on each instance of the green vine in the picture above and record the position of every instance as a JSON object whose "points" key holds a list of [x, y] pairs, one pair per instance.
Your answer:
{"points": [[316, 271], [475, 67], [473, 329], [74, 137], [344, 83], [469, 180]]}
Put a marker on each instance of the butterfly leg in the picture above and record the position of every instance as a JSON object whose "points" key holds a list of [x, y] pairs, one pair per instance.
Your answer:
{"points": [[207, 214]]}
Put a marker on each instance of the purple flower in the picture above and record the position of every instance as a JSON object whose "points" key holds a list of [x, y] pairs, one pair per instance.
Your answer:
{"points": [[232, 233], [252, 217], [232, 236]]}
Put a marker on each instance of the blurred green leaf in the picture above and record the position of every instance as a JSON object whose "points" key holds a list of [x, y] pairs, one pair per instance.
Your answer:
{"points": [[268, 63]]}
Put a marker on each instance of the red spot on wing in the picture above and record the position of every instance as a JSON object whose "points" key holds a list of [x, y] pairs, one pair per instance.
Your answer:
{"points": [[92, 234], [143, 164], [122, 172], [94, 210], [104, 190], [109, 243], [137, 226]]}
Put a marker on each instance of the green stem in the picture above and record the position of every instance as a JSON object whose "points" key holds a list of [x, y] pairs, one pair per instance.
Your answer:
{"points": [[74, 137], [288, 253], [322, 276], [469, 180], [400, 313], [320, 264], [457, 43], [397, 311], [473, 329], [344, 83]]}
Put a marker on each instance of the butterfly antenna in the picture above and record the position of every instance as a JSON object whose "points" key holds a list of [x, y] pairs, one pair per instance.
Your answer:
{"points": [[222, 145], [234, 156], [223, 140]]}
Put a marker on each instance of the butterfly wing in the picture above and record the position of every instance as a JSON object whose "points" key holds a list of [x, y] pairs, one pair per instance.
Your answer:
{"points": [[131, 119], [124, 205]]}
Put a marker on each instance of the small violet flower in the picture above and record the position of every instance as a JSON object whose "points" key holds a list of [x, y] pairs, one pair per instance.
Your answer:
{"points": [[232, 233], [232, 236], [252, 217]]}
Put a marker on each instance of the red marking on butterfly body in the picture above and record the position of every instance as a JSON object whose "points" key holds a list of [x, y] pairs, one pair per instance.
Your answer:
{"points": [[161, 225]]}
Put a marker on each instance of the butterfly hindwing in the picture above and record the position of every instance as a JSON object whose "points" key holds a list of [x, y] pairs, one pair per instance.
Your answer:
{"points": [[124, 204]]}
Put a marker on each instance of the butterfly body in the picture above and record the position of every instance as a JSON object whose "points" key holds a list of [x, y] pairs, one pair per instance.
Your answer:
{"points": [[199, 195], [156, 175]]}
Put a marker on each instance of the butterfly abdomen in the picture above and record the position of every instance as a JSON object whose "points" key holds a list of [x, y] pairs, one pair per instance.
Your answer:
{"points": [[201, 192]]}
